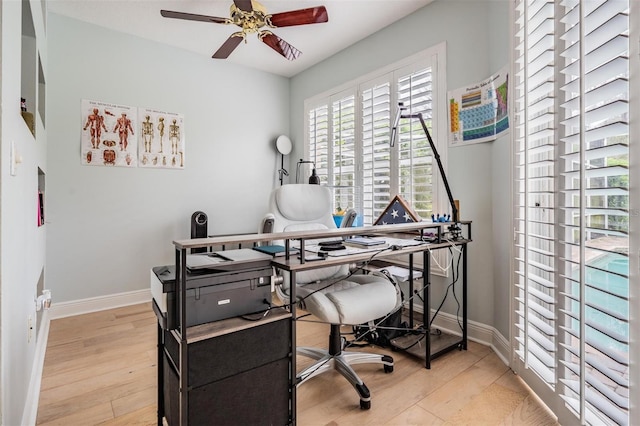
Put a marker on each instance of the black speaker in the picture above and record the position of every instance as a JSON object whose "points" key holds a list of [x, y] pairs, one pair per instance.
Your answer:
{"points": [[199, 224]]}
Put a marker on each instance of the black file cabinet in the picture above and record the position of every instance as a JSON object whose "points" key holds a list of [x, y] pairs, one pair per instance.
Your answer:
{"points": [[238, 372]]}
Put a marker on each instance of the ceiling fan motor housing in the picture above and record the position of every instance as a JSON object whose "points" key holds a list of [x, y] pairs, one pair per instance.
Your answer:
{"points": [[251, 16], [249, 21]]}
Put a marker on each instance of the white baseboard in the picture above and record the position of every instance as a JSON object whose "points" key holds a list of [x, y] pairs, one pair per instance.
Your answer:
{"points": [[94, 304], [502, 347], [30, 414]]}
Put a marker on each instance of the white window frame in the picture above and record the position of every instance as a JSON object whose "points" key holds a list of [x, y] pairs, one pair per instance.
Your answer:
{"points": [[434, 57]]}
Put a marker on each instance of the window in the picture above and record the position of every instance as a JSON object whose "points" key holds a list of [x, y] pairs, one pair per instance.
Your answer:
{"points": [[347, 136], [571, 216]]}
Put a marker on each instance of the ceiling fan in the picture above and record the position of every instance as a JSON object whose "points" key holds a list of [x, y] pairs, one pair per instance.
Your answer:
{"points": [[251, 17]]}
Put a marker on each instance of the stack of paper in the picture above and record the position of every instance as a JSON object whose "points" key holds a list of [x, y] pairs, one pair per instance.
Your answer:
{"points": [[401, 274]]}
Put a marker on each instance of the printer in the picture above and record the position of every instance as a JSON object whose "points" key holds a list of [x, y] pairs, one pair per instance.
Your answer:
{"points": [[219, 285]]}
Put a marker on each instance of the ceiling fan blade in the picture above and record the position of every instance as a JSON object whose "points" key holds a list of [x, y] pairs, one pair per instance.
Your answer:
{"points": [[193, 17], [228, 46], [244, 5], [312, 15], [280, 46]]}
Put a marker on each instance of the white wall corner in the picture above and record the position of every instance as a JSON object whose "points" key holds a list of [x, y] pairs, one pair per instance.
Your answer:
{"points": [[100, 303], [502, 347], [30, 413], [477, 332]]}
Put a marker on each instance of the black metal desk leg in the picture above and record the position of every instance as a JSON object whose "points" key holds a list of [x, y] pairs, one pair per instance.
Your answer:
{"points": [[411, 291], [160, 364], [426, 308], [293, 380], [464, 296], [181, 292]]}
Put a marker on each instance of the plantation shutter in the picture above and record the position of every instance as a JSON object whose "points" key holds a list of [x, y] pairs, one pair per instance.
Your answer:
{"points": [[571, 268], [347, 133], [595, 208], [376, 157], [414, 153], [534, 219], [343, 152], [318, 139]]}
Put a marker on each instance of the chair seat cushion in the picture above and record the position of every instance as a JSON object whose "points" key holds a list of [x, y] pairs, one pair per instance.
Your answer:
{"points": [[355, 300]]}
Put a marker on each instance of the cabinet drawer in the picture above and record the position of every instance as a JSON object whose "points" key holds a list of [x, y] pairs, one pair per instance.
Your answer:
{"points": [[229, 354], [259, 396]]}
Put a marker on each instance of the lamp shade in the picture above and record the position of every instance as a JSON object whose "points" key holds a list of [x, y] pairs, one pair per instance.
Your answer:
{"points": [[314, 179]]}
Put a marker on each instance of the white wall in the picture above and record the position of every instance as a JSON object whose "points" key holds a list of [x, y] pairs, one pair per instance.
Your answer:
{"points": [[470, 30], [499, 55], [109, 225], [21, 241]]}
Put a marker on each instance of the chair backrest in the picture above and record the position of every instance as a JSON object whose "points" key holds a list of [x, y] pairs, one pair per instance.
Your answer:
{"points": [[304, 207], [301, 207]]}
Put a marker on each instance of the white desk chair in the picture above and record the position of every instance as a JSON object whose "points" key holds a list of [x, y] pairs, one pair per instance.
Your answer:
{"points": [[331, 294]]}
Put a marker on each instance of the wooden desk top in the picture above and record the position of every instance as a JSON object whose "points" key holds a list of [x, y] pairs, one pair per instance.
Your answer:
{"points": [[209, 330], [294, 264], [413, 227]]}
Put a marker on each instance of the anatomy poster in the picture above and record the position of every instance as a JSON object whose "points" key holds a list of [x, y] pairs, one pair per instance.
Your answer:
{"points": [[108, 134], [479, 112], [160, 139]]}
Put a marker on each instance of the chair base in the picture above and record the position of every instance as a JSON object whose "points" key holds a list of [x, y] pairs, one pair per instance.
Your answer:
{"points": [[337, 359]]}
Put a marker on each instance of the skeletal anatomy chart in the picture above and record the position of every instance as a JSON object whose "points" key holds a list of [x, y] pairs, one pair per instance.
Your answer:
{"points": [[161, 140]]}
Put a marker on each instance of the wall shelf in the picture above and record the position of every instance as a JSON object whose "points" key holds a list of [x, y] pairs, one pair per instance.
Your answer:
{"points": [[41, 197], [29, 65]]}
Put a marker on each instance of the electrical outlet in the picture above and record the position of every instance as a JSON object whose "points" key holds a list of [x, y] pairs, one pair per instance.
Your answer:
{"points": [[30, 330]]}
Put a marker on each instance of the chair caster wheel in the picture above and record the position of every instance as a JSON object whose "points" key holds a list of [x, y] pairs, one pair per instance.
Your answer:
{"points": [[365, 405], [388, 368]]}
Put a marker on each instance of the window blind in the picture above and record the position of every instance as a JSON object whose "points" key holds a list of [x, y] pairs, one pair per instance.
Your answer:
{"points": [[572, 249], [343, 153], [318, 139], [376, 155], [535, 264], [594, 165], [414, 153], [357, 119]]}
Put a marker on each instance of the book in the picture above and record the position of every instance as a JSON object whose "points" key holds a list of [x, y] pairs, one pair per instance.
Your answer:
{"points": [[40, 208], [364, 241], [275, 250]]}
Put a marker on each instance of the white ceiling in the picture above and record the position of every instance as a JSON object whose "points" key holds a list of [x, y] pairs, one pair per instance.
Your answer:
{"points": [[349, 22]]}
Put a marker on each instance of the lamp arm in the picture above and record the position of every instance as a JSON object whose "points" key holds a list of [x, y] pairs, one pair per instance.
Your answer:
{"points": [[282, 172], [454, 210]]}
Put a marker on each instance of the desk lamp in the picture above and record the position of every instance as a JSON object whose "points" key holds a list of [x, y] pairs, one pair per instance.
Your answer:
{"points": [[454, 229], [283, 145], [314, 179]]}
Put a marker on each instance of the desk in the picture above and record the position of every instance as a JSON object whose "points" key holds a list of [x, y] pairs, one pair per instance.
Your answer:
{"points": [[445, 342], [293, 266]]}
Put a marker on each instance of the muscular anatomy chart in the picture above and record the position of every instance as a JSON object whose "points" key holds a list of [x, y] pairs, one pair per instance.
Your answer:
{"points": [[107, 130], [161, 143]]}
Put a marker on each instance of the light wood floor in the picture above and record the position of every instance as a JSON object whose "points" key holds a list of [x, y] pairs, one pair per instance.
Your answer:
{"points": [[100, 368]]}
